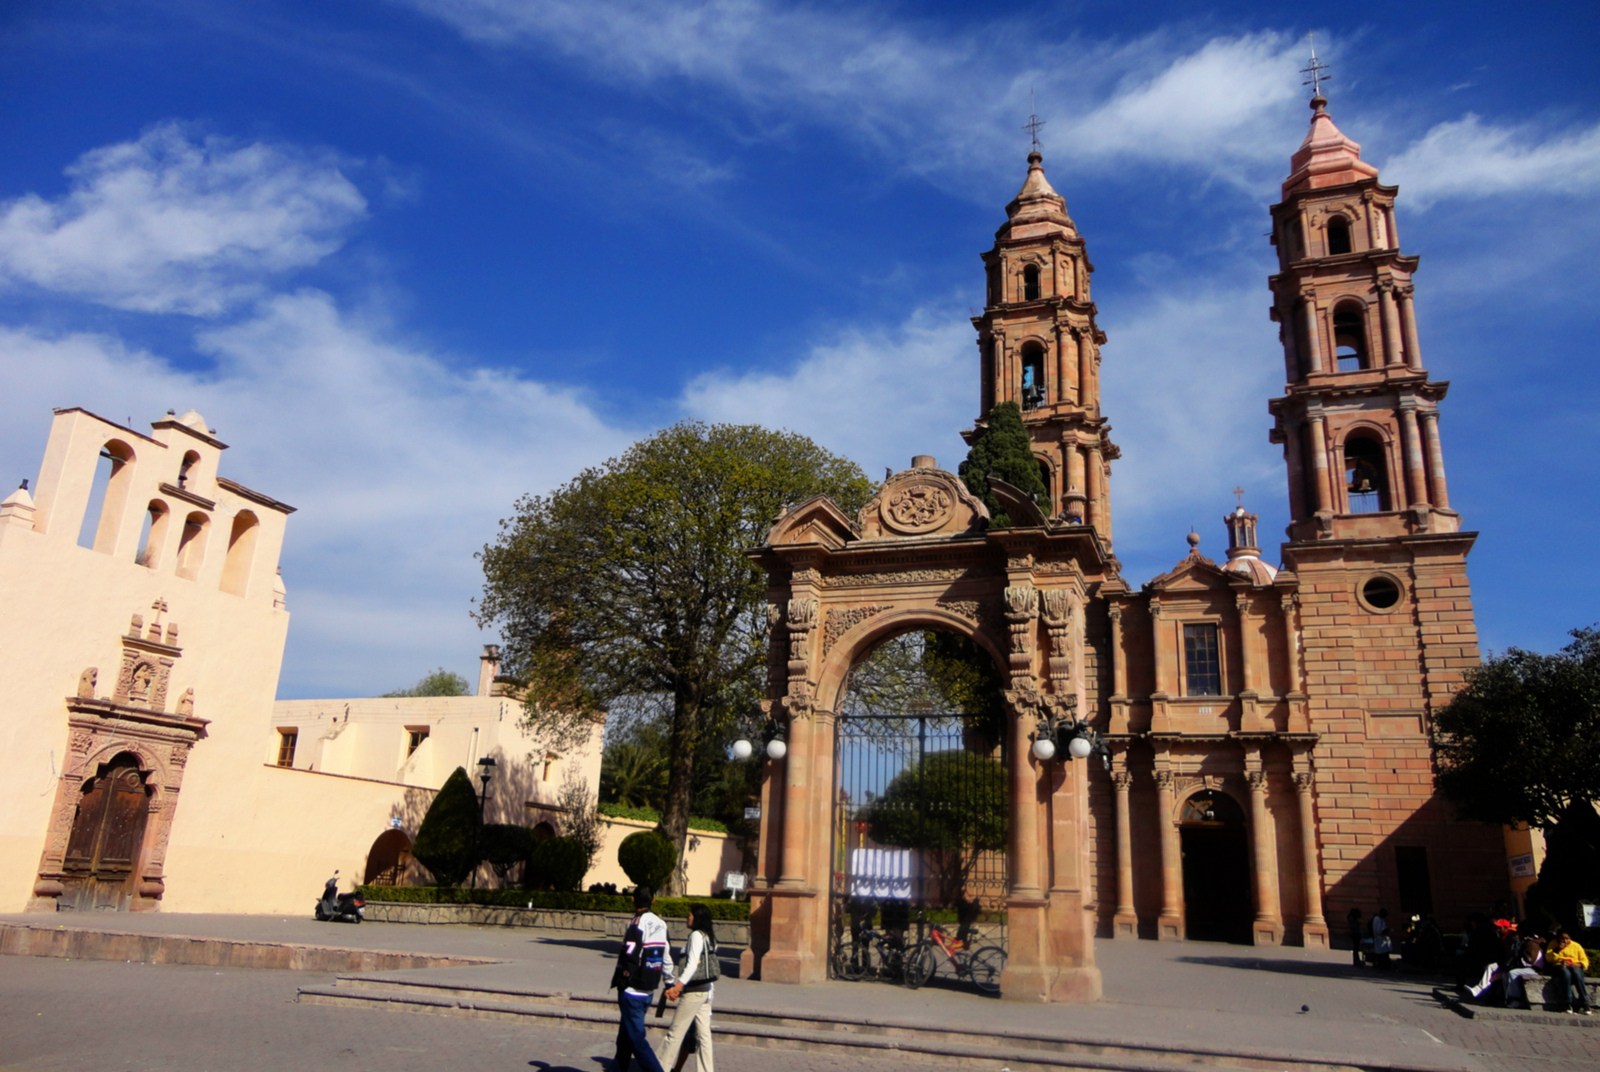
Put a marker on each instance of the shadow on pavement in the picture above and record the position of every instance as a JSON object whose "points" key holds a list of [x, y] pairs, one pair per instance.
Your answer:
{"points": [[598, 945], [1286, 967]]}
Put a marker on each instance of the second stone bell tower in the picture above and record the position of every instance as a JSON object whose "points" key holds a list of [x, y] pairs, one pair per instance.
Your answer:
{"points": [[1040, 348]]}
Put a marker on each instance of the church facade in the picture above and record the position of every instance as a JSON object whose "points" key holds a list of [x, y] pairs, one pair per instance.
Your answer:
{"points": [[1265, 729]]}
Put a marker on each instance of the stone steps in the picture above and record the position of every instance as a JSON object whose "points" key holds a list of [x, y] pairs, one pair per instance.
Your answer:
{"points": [[929, 1042]]}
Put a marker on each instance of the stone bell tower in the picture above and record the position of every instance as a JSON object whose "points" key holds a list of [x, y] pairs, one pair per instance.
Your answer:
{"points": [[1040, 348]]}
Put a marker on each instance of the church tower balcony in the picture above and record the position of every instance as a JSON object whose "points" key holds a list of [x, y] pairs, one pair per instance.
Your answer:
{"points": [[1359, 417], [1039, 348]]}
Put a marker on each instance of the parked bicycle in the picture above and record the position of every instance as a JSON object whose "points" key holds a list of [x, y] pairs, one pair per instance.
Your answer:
{"points": [[872, 954], [981, 965]]}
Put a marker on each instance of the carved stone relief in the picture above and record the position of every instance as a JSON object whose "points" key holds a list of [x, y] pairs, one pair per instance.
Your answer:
{"points": [[918, 508], [843, 619]]}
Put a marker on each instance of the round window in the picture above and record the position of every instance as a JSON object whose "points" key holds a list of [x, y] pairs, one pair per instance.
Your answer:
{"points": [[1380, 592]]}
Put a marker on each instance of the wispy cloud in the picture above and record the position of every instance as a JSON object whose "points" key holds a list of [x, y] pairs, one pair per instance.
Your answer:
{"points": [[170, 223], [1469, 158]]}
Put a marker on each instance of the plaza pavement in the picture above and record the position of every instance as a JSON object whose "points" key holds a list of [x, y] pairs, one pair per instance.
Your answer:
{"points": [[63, 1015]]}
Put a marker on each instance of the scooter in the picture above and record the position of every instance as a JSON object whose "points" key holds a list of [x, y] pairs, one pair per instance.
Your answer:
{"points": [[339, 907]]}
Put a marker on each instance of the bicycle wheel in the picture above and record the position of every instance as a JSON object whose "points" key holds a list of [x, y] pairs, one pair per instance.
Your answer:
{"points": [[985, 965], [849, 961], [920, 964]]}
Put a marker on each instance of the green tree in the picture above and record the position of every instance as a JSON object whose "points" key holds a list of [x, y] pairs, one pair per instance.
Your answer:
{"points": [[648, 858], [1521, 744], [439, 683], [951, 809], [632, 581], [447, 842], [505, 845], [1002, 448]]}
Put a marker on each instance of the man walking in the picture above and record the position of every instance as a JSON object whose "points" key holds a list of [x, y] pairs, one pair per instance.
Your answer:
{"points": [[639, 968]]}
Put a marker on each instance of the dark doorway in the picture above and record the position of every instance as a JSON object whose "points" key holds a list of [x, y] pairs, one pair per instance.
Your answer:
{"points": [[102, 860], [1216, 869], [1416, 889], [387, 859]]}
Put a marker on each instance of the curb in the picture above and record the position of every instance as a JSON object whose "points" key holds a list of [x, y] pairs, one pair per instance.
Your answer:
{"points": [[1532, 1017]]}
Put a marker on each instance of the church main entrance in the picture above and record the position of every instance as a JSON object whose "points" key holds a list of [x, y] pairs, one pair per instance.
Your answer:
{"points": [[107, 835], [1216, 869]]}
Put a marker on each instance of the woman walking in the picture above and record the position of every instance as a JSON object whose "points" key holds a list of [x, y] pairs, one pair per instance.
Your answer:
{"points": [[695, 980]]}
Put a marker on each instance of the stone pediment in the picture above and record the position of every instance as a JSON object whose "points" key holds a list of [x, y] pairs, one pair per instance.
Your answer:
{"points": [[817, 520], [1020, 507], [1194, 573], [922, 502]]}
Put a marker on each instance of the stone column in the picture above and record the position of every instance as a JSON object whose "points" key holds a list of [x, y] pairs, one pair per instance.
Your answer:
{"points": [[1394, 231], [1066, 370], [1411, 445], [1249, 712], [1316, 927], [1408, 326], [1125, 924], [1096, 485], [1435, 456], [1163, 654], [1391, 325], [1319, 461], [1022, 609], [1119, 665], [1170, 925], [1291, 641], [802, 621], [1085, 367], [1268, 929], [1313, 333], [1074, 502]]}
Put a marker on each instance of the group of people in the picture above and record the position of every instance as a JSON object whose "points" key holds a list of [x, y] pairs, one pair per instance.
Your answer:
{"points": [[1500, 953], [643, 965]]}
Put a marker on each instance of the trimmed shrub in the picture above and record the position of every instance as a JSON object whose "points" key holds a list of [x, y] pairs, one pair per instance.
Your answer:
{"points": [[647, 857], [558, 864], [668, 907], [505, 845], [447, 841]]}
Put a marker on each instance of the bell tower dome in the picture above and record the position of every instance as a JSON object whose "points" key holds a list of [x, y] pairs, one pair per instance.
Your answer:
{"points": [[1039, 348], [1359, 418]]}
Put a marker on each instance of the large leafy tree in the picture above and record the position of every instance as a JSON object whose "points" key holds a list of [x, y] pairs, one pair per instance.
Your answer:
{"points": [[632, 581], [1002, 448]]}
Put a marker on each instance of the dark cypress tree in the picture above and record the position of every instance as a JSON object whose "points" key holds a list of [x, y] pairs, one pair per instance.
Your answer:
{"points": [[1002, 447], [447, 842]]}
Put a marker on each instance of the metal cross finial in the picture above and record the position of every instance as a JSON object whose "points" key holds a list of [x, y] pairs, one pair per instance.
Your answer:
{"points": [[1034, 122], [1316, 70], [1238, 493]]}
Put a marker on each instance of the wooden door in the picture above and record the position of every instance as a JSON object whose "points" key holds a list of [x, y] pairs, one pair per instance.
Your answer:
{"points": [[102, 860]]}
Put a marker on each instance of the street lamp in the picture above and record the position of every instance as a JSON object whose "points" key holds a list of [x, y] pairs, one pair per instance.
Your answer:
{"points": [[772, 738], [485, 772], [1073, 734]]}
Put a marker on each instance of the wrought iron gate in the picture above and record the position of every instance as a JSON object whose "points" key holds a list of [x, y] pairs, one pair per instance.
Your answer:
{"points": [[920, 831]]}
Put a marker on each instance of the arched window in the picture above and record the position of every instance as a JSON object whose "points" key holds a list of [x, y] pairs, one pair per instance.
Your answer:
{"points": [[108, 498], [1350, 338], [1030, 283], [1338, 236], [192, 545], [154, 535], [1366, 475], [241, 553], [1032, 375]]}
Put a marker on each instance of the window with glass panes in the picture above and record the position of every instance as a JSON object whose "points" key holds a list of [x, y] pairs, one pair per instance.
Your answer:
{"points": [[286, 742], [1201, 664]]}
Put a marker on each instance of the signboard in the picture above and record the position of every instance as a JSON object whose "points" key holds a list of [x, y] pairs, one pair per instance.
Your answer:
{"points": [[1522, 866], [733, 880], [394, 822], [1591, 913], [752, 813]]}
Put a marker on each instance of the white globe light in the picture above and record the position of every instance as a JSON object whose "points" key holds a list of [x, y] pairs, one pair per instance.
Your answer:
{"points": [[776, 749], [1044, 748], [1080, 748], [742, 749]]}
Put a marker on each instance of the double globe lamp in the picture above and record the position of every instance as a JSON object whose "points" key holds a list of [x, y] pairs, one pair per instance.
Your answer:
{"points": [[776, 749]]}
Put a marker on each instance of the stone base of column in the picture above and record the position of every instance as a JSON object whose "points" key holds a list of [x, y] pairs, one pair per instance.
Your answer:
{"points": [[1315, 935], [1124, 925], [1075, 986], [1267, 932], [1169, 928], [795, 934]]}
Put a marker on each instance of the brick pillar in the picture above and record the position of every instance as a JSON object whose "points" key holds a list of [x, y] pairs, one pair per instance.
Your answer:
{"points": [[1391, 325], [1411, 445], [1125, 924], [1170, 926], [1268, 928], [1435, 457], [1408, 325], [1315, 933]]}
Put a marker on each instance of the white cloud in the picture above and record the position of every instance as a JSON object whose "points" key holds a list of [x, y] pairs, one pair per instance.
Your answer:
{"points": [[169, 224], [1468, 158], [400, 466]]}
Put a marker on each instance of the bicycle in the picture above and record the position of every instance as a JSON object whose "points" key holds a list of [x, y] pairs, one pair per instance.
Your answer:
{"points": [[871, 954], [982, 965]]}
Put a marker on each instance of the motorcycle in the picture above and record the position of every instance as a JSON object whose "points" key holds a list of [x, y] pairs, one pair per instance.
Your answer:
{"points": [[339, 907]]}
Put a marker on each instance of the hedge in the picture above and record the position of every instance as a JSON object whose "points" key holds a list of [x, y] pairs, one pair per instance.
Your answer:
{"points": [[650, 815], [670, 907]]}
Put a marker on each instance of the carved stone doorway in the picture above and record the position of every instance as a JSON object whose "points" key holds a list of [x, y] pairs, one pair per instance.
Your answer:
{"points": [[1216, 869], [107, 836]]}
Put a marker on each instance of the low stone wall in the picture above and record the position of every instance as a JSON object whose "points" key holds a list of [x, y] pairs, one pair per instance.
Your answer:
{"points": [[599, 924]]}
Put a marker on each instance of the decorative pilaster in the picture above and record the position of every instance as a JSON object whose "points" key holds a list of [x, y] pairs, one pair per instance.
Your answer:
{"points": [[1316, 927], [801, 621], [1408, 327], [1435, 458], [1169, 927], [1125, 924], [1268, 927]]}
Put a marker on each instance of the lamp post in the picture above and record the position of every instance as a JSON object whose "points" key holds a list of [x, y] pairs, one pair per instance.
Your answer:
{"points": [[485, 772], [772, 742]]}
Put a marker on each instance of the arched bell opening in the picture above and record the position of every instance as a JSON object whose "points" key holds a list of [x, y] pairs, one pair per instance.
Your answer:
{"points": [[920, 799], [1216, 868]]}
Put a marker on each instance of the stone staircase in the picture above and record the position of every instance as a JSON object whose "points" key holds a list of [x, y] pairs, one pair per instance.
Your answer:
{"points": [[926, 1042]]}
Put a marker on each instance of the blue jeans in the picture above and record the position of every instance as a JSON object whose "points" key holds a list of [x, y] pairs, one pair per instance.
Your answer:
{"points": [[630, 1034], [1574, 991]]}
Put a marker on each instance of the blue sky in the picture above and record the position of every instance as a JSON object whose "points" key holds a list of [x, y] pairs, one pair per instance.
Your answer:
{"points": [[415, 258]]}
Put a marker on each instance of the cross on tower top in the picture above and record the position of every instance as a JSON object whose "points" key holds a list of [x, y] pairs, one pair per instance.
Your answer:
{"points": [[1238, 493], [1034, 122], [1317, 69]]}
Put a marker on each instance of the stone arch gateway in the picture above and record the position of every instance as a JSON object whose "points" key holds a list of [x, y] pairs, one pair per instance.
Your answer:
{"points": [[921, 556]]}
